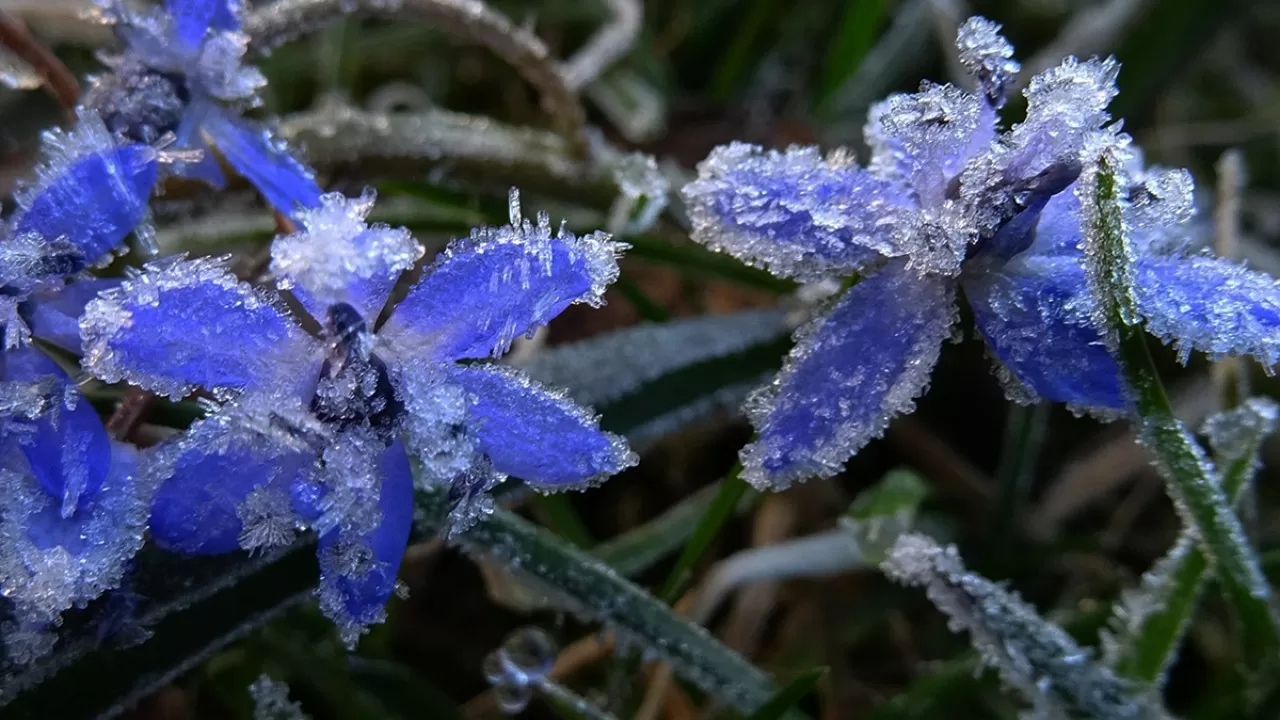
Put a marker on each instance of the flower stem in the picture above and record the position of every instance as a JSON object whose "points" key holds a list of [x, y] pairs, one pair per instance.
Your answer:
{"points": [[1190, 477]]}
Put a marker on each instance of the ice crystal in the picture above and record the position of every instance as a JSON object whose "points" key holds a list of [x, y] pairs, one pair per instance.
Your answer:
{"points": [[182, 73], [311, 435], [341, 259], [1033, 656], [1012, 213], [271, 701], [1237, 432], [988, 57]]}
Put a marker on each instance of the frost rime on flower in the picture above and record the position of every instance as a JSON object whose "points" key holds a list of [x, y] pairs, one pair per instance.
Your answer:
{"points": [[72, 509], [947, 196], [331, 425], [182, 73]]}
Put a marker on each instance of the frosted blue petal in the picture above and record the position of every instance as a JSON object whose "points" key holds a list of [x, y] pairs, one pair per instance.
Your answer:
{"points": [[66, 448], [794, 213], [851, 371], [1036, 320], [1209, 304], [924, 139], [337, 257], [51, 561], [536, 434], [264, 161], [487, 289], [189, 323], [358, 574], [95, 202], [54, 314], [206, 476], [193, 18]]}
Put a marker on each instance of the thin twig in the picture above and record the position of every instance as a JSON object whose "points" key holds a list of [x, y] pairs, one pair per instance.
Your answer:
{"points": [[128, 414], [471, 20], [610, 42], [1228, 375], [57, 78]]}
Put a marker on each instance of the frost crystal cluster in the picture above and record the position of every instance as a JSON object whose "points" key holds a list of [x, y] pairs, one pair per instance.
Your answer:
{"points": [[321, 433], [951, 204]]}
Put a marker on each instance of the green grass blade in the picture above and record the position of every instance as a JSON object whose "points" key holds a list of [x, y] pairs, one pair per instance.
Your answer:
{"points": [[787, 698], [1190, 477], [732, 489], [850, 44]]}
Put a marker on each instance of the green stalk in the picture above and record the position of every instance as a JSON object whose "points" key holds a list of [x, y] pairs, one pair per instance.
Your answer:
{"points": [[1190, 478]]}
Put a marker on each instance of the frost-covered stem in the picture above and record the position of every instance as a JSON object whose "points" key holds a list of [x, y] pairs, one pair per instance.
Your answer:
{"points": [[597, 592], [570, 701], [338, 133], [472, 20], [1189, 476], [1154, 619], [609, 43], [1037, 658]]}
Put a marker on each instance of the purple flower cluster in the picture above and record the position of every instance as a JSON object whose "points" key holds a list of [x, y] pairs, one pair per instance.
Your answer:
{"points": [[951, 205], [321, 421]]}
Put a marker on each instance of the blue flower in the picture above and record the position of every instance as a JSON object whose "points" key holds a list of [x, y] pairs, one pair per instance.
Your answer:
{"points": [[318, 433], [72, 511], [182, 72], [949, 203]]}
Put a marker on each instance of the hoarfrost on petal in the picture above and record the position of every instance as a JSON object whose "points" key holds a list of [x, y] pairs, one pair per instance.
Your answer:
{"points": [[338, 257], [1035, 657], [53, 313], [1210, 304], [51, 562], [537, 434], [487, 289], [65, 445], [851, 371], [187, 323], [435, 421], [988, 57], [925, 139], [89, 190], [358, 565], [221, 483], [219, 69], [793, 213], [1036, 316]]}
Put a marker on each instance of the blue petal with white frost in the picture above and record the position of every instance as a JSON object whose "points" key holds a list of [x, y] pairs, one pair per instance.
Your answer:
{"points": [[183, 72], [89, 190], [1038, 324], [497, 284], [65, 446], [535, 434], [53, 313], [337, 257], [358, 565], [71, 509], [312, 433], [1209, 304], [852, 369], [794, 213], [225, 487], [188, 323]]}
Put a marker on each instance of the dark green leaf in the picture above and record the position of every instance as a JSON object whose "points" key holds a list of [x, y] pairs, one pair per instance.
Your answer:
{"points": [[789, 696]]}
